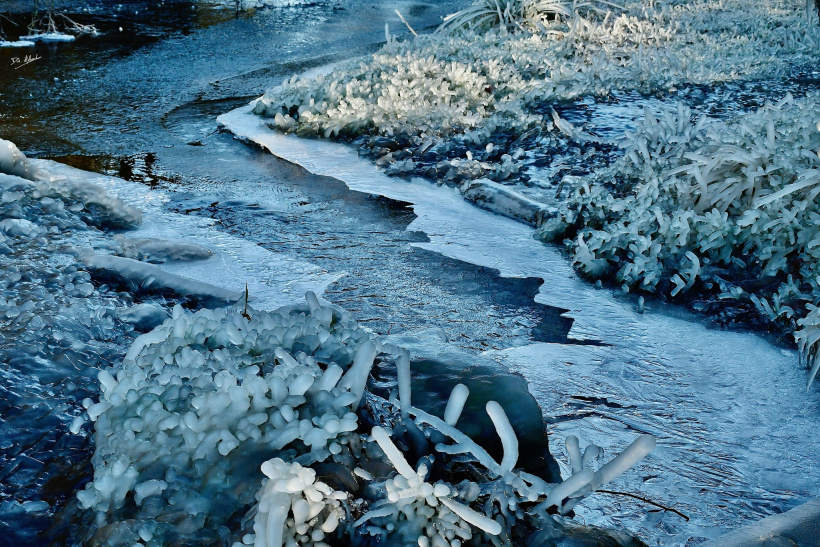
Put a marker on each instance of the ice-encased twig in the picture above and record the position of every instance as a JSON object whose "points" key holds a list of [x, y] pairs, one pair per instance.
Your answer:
{"points": [[466, 442], [455, 404], [393, 454], [356, 378], [403, 376], [574, 454], [634, 453], [472, 517], [509, 440], [565, 489]]}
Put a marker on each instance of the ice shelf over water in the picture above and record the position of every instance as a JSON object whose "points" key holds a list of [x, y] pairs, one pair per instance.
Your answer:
{"points": [[736, 429], [273, 279]]}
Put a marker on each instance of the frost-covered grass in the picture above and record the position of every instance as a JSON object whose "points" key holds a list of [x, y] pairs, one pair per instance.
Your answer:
{"points": [[450, 93], [726, 206], [256, 428]]}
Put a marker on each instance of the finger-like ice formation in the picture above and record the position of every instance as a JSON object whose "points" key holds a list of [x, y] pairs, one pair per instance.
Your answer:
{"points": [[294, 508], [509, 441], [574, 454], [634, 453], [403, 376], [393, 454], [198, 387], [566, 488], [356, 378], [455, 404]]}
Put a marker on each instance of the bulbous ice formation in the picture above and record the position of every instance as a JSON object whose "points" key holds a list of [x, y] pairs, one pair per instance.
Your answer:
{"points": [[294, 508]]}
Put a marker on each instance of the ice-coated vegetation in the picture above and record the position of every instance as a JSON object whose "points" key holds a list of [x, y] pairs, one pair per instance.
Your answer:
{"points": [[256, 428], [513, 14], [701, 203], [442, 98], [56, 326]]}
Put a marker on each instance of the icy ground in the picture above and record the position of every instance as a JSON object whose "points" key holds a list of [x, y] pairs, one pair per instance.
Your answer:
{"points": [[734, 423]]}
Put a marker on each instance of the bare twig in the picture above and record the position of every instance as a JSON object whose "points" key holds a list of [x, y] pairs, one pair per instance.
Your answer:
{"points": [[79, 27], [245, 313], [650, 502], [403, 20]]}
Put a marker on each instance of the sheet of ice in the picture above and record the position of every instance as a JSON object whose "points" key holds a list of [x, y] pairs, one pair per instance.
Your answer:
{"points": [[49, 37], [736, 430], [274, 279], [16, 43]]}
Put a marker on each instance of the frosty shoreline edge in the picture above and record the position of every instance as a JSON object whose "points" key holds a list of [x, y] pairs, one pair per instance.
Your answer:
{"points": [[706, 222]]}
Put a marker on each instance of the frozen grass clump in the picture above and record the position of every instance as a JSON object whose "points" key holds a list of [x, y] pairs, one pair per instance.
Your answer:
{"points": [[726, 207], [295, 508], [510, 14], [432, 106], [526, 15], [256, 428], [195, 389]]}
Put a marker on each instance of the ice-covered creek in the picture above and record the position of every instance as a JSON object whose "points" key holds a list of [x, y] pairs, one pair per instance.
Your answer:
{"points": [[735, 426]]}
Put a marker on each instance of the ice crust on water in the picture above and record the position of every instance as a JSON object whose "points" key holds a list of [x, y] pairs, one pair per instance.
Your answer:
{"points": [[14, 162], [49, 37], [274, 279], [16, 43]]}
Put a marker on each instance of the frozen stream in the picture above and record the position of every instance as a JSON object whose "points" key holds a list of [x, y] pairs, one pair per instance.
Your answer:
{"points": [[736, 428], [734, 422]]}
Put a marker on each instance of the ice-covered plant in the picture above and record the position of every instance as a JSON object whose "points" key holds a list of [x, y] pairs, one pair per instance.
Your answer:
{"points": [[808, 341], [431, 106], [510, 14], [207, 400], [691, 194], [294, 508], [703, 203], [199, 402]]}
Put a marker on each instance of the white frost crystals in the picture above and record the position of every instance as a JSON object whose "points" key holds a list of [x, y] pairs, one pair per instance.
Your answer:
{"points": [[448, 93], [213, 407], [703, 202]]}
